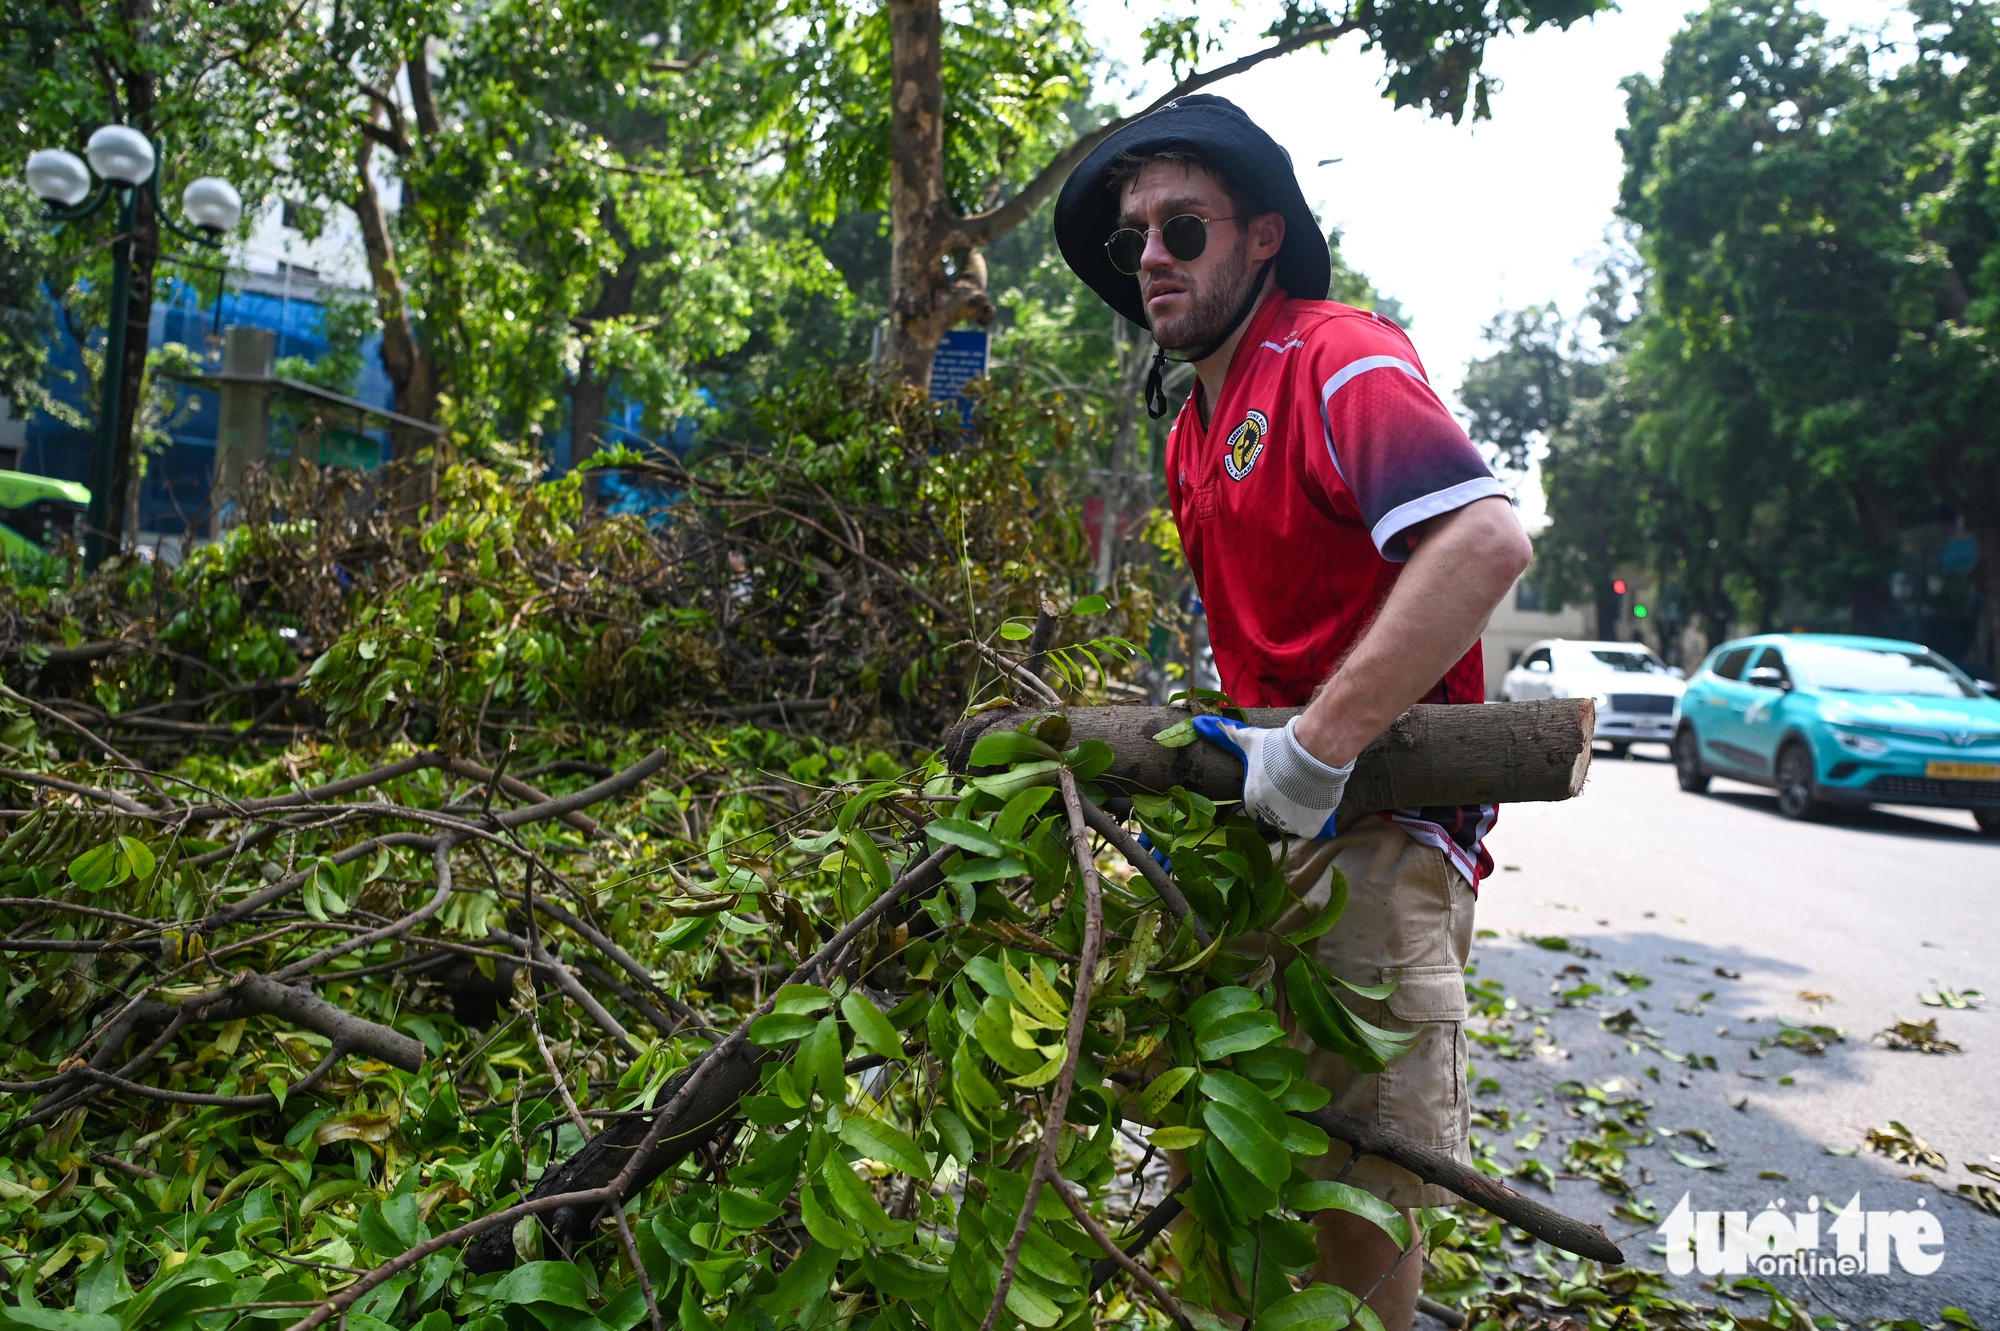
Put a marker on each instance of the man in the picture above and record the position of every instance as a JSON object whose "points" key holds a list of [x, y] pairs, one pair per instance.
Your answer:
{"points": [[1349, 543]]}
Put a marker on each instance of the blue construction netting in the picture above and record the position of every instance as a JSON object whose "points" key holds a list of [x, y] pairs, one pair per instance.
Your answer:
{"points": [[173, 498]]}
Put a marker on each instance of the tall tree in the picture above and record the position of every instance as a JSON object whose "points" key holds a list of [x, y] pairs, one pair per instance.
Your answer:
{"points": [[962, 131]]}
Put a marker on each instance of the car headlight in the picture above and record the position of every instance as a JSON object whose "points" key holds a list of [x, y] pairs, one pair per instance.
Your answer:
{"points": [[1865, 745]]}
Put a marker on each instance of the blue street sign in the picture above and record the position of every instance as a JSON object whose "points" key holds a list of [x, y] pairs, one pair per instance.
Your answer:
{"points": [[961, 358]]}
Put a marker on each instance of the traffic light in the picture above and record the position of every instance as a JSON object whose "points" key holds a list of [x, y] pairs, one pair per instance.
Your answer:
{"points": [[1618, 586], [1638, 612]]}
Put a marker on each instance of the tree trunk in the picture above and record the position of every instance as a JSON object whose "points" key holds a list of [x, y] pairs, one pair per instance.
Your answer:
{"points": [[1132, 366], [592, 388], [412, 373], [1501, 753], [925, 299]]}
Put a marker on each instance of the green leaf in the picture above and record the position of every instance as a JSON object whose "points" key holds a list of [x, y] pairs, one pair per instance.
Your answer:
{"points": [[1037, 997], [1314, 1308], [781, 1028], [1244, 1097], [55, 1319], [1011, 821], [901, 1278], [1090, 605], [1692, 1163], [1175, 1138], [819, 1057], [1163, 1088], [1004, 748], [1303, 1138], [1006, 785], [965, 835], [1256, 1150], [953, 1134], [804, 1280], [825, 1227], [1177, 736], [99, 867], [1309, 1195], [969, 1086], [853, 1199], [742, 1211], [1091, 759], [1016, 631], [1327, 916], [1373, 992], [1042, 1075], [886, 1142], [560, 1283], [1237, 1034], [872, 1030], [138, 857], [1218, 1004], [869, 856], [799, 1000], [985, 871], [1030, 1306]]}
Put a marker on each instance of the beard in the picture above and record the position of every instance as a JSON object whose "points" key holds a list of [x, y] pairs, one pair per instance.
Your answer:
{"points": [[1214, 300]]}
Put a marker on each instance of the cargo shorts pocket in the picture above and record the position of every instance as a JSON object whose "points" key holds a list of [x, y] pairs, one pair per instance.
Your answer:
{"points": [[1422, 1093]]}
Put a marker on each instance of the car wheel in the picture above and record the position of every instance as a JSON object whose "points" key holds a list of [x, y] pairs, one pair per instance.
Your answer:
{"points": [[1687, 762], [1619, 748], [1797, 793], [1989, 822]]}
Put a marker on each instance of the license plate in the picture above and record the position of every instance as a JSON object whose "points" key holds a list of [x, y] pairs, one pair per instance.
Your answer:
{"points": [[1950, 771]]}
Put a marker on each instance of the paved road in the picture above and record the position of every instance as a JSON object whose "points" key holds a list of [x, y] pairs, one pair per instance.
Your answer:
{"points": [[1869, 911]]}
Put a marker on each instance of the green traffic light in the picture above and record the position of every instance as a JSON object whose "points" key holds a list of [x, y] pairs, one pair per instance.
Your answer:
{"points": [[1638, 612]]}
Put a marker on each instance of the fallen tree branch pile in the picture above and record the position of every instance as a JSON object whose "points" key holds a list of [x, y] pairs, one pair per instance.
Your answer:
{"points": [[776, 1024]]}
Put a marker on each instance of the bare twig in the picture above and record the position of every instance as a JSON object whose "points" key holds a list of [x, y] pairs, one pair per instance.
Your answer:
{"points": [[1079, 1016]]}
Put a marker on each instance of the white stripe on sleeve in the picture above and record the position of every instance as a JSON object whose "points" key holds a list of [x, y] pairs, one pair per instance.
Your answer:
{"points": [[1404, 516], [1341, 378]]}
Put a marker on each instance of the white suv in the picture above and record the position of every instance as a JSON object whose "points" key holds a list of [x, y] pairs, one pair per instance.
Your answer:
{"points": [[1635, 690]]}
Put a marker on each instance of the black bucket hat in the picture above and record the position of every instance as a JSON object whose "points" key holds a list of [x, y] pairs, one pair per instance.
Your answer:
{"points": [[1215, 131]]}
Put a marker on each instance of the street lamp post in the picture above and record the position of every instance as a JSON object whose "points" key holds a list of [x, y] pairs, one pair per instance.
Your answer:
{"points": [[124, 160]]}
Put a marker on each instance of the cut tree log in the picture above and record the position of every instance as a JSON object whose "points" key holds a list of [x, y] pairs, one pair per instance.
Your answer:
{"points": [[1501, 753]]}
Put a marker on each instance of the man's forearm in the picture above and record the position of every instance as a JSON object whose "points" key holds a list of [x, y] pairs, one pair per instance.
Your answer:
{"points": [[1463, 563]]}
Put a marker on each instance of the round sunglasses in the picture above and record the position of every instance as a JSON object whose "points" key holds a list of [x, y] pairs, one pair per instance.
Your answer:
{"points": [[1185, 237]]}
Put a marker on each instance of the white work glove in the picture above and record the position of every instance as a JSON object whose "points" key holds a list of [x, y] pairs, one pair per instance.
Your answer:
{"points": [[1283, 785]]}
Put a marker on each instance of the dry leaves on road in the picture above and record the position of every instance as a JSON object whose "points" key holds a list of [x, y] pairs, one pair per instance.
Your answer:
{"points": [[1985, 1198], [1959, 999], [1903, 1146], [1920, 1036]]}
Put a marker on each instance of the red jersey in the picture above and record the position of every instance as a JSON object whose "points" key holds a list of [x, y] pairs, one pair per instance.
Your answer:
{"points": [[1294, 506]]}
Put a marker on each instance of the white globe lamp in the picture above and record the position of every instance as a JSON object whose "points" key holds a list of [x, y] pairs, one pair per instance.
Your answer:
{"points": [[213, 204], [121, 155], [58, 178]]}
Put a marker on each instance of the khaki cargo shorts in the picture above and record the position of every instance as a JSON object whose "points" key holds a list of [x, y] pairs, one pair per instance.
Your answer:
{"points": [[1408, 918]]}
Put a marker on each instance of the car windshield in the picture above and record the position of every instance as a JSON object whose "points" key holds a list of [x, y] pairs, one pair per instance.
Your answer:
{"points": [[1877, 670], [1609, 660]]}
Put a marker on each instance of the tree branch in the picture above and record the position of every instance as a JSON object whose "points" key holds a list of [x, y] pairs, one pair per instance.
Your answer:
{"points": [[984, 228]]}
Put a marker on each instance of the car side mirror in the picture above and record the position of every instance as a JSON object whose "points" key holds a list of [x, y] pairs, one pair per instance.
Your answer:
{"points": [[1989, 688], [1539, 667], [1677, 672], [1767, 677]]}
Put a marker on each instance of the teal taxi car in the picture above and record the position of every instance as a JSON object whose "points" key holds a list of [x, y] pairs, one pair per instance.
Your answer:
{"points": [[1831, 719]]}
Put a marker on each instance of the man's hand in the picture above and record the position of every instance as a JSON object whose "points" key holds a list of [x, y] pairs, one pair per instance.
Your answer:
{"points": [[1283, 785]]}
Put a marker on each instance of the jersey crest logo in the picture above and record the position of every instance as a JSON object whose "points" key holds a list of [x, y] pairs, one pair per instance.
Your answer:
{"points": [[1246, 445]]}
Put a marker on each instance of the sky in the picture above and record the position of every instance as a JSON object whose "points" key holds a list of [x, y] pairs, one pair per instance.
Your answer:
{"points": [[1457, 222]]}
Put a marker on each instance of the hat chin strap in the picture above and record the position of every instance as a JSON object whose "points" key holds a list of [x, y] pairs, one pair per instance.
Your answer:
{"points": [[1156, 393]]}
